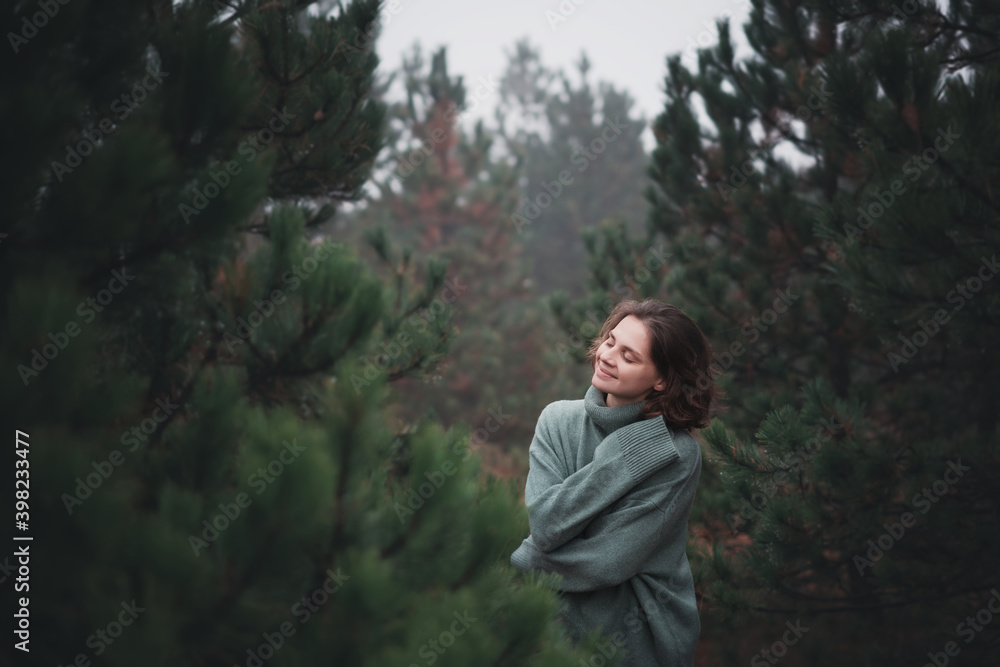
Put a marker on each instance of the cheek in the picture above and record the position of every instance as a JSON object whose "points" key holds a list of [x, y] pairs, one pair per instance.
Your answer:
{"points": [[641, 373]]}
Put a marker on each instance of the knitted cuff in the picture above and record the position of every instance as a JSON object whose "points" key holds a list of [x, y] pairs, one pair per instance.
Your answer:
{"points": [[646, 447], [521, 559]]}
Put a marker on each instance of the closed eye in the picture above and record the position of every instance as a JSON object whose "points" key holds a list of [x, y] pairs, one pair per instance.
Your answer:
{"points": [[607, 341]]}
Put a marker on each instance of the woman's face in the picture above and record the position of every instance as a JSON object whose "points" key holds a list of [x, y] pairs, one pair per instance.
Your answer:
{"points": [[623, 368]]}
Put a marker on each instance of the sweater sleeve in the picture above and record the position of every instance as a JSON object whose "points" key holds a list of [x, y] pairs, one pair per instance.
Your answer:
{"points": [[559, 506], [615, 553]]}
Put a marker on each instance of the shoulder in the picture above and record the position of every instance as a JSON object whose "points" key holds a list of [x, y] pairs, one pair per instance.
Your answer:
{"points": [[558, 413], [685, 469], [673, 486], [687, 447], [553, 426]]}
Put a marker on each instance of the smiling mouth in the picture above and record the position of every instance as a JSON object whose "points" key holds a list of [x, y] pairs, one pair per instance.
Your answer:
{"points": [[604, 371]]}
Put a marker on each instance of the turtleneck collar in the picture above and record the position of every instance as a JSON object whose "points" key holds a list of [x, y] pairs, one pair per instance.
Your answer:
{"points": [[610, 419]]}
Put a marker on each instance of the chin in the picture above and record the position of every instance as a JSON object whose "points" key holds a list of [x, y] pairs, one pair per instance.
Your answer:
{"points": [[599, 382]]}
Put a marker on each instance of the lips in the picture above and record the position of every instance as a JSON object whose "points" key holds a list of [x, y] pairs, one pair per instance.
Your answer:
{"points": [[601, 368]]}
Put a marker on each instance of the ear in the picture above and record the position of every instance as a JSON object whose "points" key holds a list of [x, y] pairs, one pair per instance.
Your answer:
{"points": [[660, 384]]}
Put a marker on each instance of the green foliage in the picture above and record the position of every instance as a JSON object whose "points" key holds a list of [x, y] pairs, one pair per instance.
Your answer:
{"points": [[438, 212], [785, 186], [206, 476], [582, 161]]}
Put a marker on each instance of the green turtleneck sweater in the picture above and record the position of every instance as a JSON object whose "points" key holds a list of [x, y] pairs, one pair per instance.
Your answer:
{"points": [[608, 497]]}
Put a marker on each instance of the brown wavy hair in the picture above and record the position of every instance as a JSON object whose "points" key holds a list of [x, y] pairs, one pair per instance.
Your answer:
{"points": [[683, 357]]}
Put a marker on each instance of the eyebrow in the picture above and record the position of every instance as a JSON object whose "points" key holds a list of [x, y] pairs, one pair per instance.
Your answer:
{"points": [[611, 334]]}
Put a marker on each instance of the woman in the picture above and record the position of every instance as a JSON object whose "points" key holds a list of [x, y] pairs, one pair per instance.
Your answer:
{"points": [[610, 483]]}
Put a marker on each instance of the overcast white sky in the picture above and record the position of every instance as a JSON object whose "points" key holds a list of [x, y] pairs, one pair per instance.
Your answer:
{"points": [[626, 41]]}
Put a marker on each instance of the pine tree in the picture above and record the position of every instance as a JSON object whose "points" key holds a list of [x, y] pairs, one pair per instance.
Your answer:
{"points": [[582, 158], [209, 487], [443, 194], [822, 224]]}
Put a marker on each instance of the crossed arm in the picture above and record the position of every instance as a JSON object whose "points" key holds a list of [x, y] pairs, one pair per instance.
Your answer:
{"points": [[561, 506], [613, 554]]}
